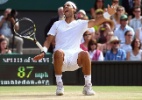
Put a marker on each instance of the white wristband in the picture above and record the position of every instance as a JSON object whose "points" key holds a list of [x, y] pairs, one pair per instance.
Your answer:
{"points": [[106, 15], [45, 49]]}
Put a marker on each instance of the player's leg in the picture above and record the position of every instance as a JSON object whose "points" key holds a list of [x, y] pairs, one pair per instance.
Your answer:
{"points": [[58, 62], [85, 62]]}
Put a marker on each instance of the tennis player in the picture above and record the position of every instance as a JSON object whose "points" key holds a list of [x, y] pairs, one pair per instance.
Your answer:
{"points": [[67, 53]]}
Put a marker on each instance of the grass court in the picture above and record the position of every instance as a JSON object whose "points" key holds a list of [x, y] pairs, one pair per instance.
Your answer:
{"points": [[71, 93]]}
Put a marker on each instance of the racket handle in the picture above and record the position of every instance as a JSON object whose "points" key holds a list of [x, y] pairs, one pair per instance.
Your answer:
{"points": [[39, 45]]}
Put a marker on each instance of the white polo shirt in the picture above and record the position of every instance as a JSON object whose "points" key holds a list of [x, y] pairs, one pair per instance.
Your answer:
{"points": [[68, 35]]}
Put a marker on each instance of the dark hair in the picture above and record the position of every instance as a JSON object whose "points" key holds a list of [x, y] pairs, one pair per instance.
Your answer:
{"points": [[127, 32], [95, 4], [85, 33], [2, 39], [13, 13], [133, 43], [136, 7], [92, 41]]}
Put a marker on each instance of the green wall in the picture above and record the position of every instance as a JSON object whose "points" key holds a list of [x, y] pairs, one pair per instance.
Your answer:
{"points": [[46, 4]]}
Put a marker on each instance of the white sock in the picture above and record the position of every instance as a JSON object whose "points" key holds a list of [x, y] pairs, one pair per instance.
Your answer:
{"points": [[58, 79], [87, 79]]}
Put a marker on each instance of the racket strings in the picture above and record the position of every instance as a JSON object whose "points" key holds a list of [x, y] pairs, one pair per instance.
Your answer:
{"points": [[26, 28], [27, 32]]}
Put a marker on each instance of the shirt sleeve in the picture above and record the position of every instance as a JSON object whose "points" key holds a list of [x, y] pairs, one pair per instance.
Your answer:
{"points": [[53, 30]]}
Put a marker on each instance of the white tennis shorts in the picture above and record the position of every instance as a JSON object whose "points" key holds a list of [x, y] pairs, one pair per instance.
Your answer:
{"points": [[70, 60]]}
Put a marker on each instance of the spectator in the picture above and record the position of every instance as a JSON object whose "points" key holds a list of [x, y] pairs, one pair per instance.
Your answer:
{"points": [[128, 5], [138, 3], [136, 53], [128, 39], [116, 17], [99, 13], [108, 24], [139, 33], [6, 28], [81, 14], [115, 54], [60, 16], [50, 23], [95, 54], [92, 31], [136, 22], [104, 28], [96, 36], [106, 46], [99, 4], [2, 36], [120, 31], [86, 36], [4, 46]]}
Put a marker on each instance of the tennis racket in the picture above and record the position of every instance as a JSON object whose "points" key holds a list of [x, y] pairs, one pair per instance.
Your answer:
{"points": [[27, 30]]}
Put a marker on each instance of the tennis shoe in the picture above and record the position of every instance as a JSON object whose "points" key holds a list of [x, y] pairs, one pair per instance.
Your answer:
{"points": [[60, 89], [87, 90]]}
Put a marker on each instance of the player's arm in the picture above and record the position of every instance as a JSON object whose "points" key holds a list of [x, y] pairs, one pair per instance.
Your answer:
{"points": [[110, 11], [47, 43], [97, 22]]}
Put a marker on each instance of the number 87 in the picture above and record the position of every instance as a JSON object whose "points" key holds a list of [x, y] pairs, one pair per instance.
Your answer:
{"points": [[22, 71]]}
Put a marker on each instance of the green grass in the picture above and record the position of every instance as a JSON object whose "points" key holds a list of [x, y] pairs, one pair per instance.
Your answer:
{"points": [[70, 88], [71, 92]]}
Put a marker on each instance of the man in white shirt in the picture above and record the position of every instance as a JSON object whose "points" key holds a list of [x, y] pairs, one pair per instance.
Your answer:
{"points": [[136, 22], [120, 31], [67, 55]]}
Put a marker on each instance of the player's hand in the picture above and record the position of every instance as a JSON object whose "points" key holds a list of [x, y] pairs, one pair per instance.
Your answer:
{"points": [[111, 9], [39, 56]]}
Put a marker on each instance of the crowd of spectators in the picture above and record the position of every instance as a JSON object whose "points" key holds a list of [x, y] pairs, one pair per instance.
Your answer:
{"points": [[120, 38], [7, 21]]}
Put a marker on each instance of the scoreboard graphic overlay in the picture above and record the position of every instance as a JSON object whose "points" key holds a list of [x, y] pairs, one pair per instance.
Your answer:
{"points": [[23, 70]]}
